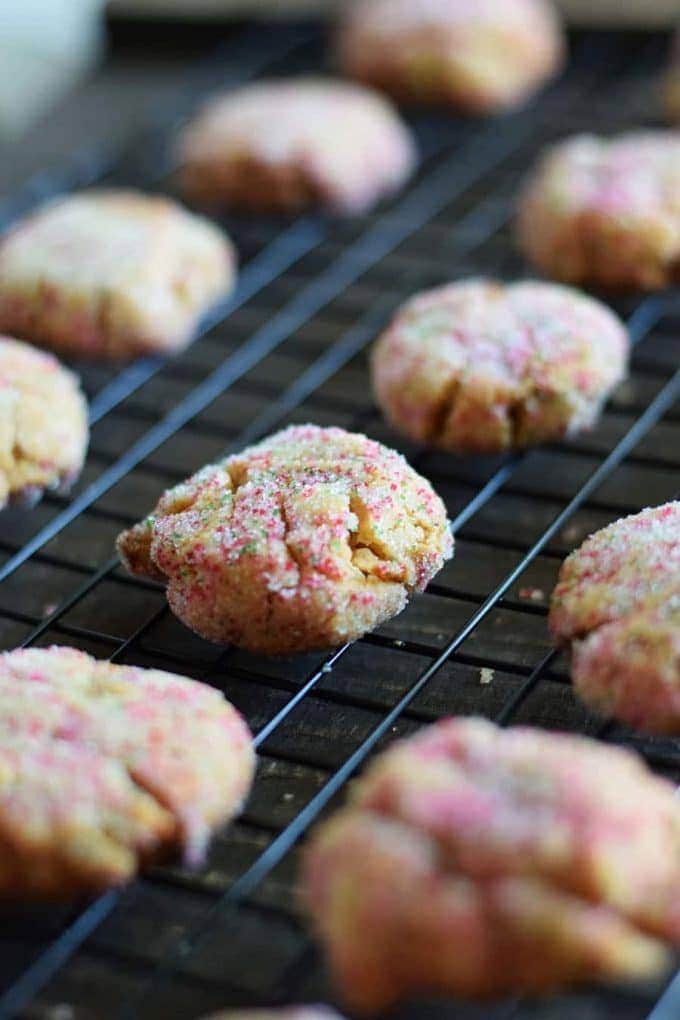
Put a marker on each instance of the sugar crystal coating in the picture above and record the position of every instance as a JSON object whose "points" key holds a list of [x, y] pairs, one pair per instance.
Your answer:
{"points": [[281, 146], [307, 540], [504, 860], [103, 767], [480, 366], [617, 606], [43, 423], [111, 274], [606, 211]]}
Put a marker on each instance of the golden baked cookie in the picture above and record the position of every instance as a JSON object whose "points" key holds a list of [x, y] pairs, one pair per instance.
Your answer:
{"points": [[111, 274], [617, 607], [307, 540], [606, 211], [284, 146], [105, 767], [480, 57], [43, 423], [478, 366], [478, 861]]}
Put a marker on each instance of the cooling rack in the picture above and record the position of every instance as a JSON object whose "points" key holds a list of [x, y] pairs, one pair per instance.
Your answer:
{"points": [[291, 347]]}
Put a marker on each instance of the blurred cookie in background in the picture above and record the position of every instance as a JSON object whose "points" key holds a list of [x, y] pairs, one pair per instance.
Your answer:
{"points": [[111, 274], [605, 212], [43, 423], [285, 146], [481, 57]]}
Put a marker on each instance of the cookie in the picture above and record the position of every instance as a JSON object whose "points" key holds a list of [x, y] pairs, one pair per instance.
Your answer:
{"points": [[39, 449], [477, 58], [111, 274], [305, 541], [606, 212], [671, 83], [287, 1013], [477, 861], [617, 608], [104, 767], [478, 366], [284, 146]]}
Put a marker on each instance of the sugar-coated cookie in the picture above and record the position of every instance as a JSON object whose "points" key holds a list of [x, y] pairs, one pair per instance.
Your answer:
{"points": [[479, 366], [284, 146], [103, 767], [111, 274], [606, 211], [479, 57], [477, 861], [43, 423], [307, 540], [617, 607], [286, 1013]]}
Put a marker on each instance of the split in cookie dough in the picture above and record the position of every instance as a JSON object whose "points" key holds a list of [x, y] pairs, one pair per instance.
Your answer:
{"points": [[481, 367], [104, 768]]}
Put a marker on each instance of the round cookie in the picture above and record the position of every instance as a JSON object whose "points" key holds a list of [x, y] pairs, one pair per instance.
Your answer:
{"points": [[478, 58], [104, 767], [479, 366], [111, 274], [43, 423], [305, 541], [284, 146], [477, 861], [606, 212], [617, 607]]}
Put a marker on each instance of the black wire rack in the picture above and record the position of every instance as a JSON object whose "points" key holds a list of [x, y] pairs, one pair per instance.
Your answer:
{"points": [[291, 347]]}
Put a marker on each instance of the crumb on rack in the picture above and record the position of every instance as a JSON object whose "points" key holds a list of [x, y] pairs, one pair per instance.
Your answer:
{"points": [[532, 594]]}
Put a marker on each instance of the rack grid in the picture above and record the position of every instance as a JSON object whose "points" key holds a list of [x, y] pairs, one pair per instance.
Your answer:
{"points": [[291, 346]]}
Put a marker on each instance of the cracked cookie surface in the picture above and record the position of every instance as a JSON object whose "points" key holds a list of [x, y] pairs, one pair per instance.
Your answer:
{"points": [[478, 58], [111, 274], [43, 423], [478, 861], [306, 540], [478, 366], [606, 211], [617, 607], [282, 146], [104, 767]]}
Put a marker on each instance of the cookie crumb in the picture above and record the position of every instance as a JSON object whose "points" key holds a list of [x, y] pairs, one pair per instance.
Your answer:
{"points": [[532, 594]]}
